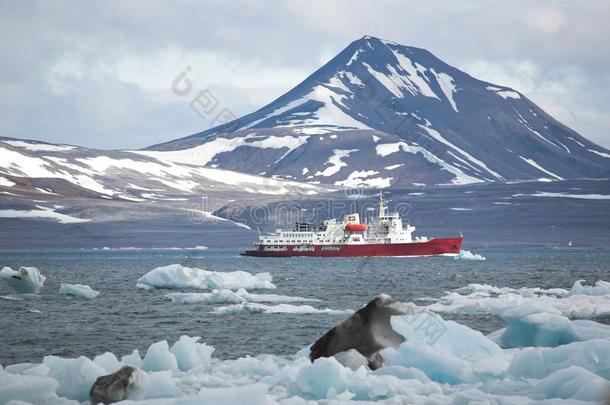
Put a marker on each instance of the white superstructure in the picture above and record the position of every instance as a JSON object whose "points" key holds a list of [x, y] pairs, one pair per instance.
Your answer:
{"points": [[386, 228]]}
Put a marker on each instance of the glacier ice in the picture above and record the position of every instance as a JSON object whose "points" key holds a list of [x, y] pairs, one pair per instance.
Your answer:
{"points": [[78, 290], [440, 361], [176, 276], [27, 280], [468, 255]]}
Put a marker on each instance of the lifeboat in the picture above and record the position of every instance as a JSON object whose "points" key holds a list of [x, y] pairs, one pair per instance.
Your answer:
{"points": [[355, 227]]}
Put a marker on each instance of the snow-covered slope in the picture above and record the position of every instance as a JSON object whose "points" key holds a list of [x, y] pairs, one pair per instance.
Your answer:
{"points": [[41, 168], [382, 114]]}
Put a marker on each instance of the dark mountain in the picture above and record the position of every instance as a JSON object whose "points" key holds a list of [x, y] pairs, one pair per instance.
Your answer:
{"points": [[381, 114]]}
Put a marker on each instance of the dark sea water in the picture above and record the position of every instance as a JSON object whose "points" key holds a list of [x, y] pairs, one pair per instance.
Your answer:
{"points": [[124, 317]]}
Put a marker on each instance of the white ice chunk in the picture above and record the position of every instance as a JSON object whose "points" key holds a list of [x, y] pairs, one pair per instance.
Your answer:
{"points": [[445, 351], [27, 388], [109, 362], [27, 280], [230, 297], [538, 362], [159, 358], [177, 276], [78, 290], [134, 359], [75, 376], [533, 325], [191, 354], [257, 308], [600, 288], [477, 298], [468, 255], [574, 383]]}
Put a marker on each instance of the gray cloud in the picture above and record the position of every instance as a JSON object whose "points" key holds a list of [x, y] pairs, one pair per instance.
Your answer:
{"points": [[98, 74]]}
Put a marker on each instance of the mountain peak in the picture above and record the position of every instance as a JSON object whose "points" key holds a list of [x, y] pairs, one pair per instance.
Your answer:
{"points": [[381, 113]]}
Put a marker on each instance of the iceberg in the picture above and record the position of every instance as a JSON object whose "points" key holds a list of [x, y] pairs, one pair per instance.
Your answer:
{"points": [[468, 255], [27, 280], [78, 290], [176, 276], [230, 297]]}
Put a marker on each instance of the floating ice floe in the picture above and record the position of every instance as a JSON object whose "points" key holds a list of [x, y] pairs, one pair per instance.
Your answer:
{"points": [[27, 280], [230, 297], [258, 308], [535, 325], [440, 361], [176, 276], [578, 302], [468, 255], [78, 290]]}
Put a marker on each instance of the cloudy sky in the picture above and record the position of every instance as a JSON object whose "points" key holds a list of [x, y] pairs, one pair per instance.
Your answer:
{"points": [[99, 74]]}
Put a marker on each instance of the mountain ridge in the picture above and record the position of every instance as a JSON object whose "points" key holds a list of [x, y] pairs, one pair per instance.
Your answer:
{"points": [[446, 120]]}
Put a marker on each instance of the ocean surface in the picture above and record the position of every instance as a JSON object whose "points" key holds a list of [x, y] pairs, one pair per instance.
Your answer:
{"points": [[124, 317]]}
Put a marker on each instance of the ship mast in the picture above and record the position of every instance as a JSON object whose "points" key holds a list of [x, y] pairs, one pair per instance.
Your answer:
{"points": [[382, 206]]}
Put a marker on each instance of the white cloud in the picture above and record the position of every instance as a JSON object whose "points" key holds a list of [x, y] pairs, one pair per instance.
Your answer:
{"points": [[567, 93]]}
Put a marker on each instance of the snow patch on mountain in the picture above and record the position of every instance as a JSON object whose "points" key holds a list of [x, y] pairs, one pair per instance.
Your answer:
{"points": [[448, 87], [437, 136], [336, 162], [204, 154], [504, 93], [361, 178], [533, 163], [459, 176]]}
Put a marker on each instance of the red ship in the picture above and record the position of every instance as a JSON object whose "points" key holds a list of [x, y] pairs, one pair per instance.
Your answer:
{"points": [[384, 235]]}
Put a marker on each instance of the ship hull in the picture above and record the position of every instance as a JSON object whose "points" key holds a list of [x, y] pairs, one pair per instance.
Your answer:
{"points": [[434, 247]]}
